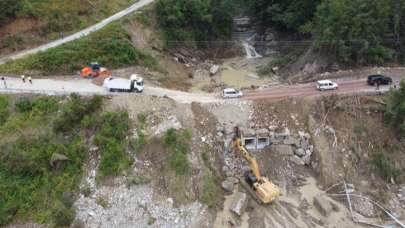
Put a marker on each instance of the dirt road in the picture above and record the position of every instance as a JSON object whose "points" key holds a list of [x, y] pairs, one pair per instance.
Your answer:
{"points": [[308, 90], [85, 87], [134, 7]]}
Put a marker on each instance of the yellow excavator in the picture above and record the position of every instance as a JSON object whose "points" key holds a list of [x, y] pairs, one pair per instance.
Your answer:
{"points": [[264, 190]]}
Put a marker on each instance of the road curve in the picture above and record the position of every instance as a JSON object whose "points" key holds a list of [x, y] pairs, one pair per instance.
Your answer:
{"points": [[134, 7]]}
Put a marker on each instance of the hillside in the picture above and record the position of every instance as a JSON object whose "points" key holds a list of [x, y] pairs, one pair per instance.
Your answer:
{"points": [[28, 23]]}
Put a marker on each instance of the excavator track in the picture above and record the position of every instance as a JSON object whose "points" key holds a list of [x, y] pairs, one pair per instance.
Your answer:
{"points": [[249, 189]]}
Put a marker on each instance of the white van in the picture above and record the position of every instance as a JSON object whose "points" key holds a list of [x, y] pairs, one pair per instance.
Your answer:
{"points": [[326, 85], [231, 93]]}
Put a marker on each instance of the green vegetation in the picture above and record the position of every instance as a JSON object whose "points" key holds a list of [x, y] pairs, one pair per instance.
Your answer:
{"points": [[34, 184], [356, 32], [4, 112], [111, 47], [386, 166], [194, 20], [111, 139], [210, 190], [61, 15], [178, 144], [140, 142], [395, 109], [102, 202]]}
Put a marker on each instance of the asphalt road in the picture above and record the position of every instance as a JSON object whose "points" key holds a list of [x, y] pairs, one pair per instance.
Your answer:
{"points": [[134, 7]]}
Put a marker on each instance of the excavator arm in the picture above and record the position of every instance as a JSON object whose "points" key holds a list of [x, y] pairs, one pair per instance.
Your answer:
{"points": [[249, 158], [264, 189]]}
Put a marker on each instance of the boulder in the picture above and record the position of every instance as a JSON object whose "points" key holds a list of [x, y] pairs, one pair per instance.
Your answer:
{"points": [[282, 149], [239, 203], [306, 159], [57, 161], [214, 69], [291, 141], [300, 152], [228, 185], [323, 205], [297, 160]]}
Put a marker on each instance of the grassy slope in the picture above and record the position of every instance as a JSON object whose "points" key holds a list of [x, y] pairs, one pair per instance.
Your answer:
{"points": [[54, 17], [111, 46], [34, 131]]}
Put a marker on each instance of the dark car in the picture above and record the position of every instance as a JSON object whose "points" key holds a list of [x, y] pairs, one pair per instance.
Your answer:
{"points": [[379, 79]]}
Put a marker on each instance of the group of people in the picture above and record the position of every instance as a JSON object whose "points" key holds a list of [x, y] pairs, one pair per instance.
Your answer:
{"points": [[22, 78]]}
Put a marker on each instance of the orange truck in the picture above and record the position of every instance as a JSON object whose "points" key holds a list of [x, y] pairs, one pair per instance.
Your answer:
{"points": [[94, 70]]}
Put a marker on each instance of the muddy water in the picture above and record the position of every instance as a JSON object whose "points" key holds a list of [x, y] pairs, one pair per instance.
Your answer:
{"points": [[241, 78]]}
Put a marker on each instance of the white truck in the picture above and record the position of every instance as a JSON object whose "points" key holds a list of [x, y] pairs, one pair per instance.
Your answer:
{"points": [[134, 84]]}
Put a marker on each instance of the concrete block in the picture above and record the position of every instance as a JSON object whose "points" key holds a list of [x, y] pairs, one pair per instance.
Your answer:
{"points": [[323, 205], [239, 203], [282, 149]]}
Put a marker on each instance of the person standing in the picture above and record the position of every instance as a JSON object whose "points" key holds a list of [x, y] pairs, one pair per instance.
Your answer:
{"points": [[23, 78], [30, 79], [4, 82]]}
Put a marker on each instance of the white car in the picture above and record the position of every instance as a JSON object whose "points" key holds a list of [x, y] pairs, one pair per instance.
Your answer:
{"points": [[326, 85], [231, 93]]}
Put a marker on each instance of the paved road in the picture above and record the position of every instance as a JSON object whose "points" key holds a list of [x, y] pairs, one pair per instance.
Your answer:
{"points": [[134, 7]]}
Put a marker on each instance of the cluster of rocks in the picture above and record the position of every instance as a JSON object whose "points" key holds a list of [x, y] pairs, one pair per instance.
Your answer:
{"points": [[135, 207], [297, 147]]}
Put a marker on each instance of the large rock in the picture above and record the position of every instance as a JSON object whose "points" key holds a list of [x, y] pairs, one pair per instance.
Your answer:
{"points": [[291, 141], [297, 160], [214, 69], [323, 205], [239, 203], [58, 160], [282, 149], [300, 152], [228, 185]]}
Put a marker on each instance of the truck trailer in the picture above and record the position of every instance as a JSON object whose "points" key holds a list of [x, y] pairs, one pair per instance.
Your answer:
{"points": [[134, 84]]}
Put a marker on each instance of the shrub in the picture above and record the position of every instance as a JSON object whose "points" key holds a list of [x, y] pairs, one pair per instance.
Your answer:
{"points": [[24, 105], [45, 105], [62, 215], [386, 167], [394, 112], [111, 47], [210, 189], [73, 112], [178, 144], [113, 143], [4, 112]]}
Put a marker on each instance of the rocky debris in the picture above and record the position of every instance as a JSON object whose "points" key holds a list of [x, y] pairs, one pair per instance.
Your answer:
{"points": [[239, 203], [323, 205], [171, 122], [291, 141], [214, 69], [128, 207], [285, 150], [363, 207], [401, 193], [297, 160]]}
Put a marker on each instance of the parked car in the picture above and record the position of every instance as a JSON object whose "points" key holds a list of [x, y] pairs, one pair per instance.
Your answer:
{"points": [[379, 79], [326, 85], [231, 93]]}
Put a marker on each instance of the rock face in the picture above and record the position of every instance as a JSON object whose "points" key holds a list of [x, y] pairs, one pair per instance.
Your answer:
{"points": [[239, 203], [323, 205]]}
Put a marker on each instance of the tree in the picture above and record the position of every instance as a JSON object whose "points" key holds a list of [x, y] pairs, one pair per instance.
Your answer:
{"points": [[9, 9], [395, 109]]}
